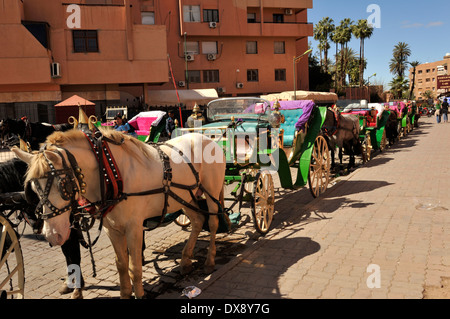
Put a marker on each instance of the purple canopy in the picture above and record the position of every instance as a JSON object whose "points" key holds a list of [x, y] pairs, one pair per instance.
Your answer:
{"points": [[306, 105]]}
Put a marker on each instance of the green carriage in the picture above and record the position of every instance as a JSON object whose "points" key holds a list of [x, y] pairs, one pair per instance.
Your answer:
{"points": [[258, 143]]}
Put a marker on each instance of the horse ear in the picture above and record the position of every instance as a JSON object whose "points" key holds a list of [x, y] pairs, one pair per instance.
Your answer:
{"points": [[24, 156], [53, 157]]}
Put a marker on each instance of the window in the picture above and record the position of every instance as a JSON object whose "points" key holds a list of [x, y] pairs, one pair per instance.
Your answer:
{"points": [[192, 47], [209, 47], [278, 18], [420, 71], [210, 15], [252, 75], [85, 41], [252, 47], [194, 76], [427, 80], [428, 70], [211, 76], [148, 18], [280, 74], [251, 17], [191, 13], [278, 47]]}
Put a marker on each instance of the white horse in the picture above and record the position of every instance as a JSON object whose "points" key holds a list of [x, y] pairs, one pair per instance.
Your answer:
{"points": [[60, 186]]}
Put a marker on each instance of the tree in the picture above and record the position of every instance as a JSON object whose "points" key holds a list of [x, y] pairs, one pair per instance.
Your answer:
{"points": [[414, 65], [343, 35], [325, 28], [399, 61], [428, 95], [362, 30], [398, 86]]}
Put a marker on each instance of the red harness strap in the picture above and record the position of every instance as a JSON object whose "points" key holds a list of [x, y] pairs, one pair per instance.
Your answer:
{"points": [[110, 172]]}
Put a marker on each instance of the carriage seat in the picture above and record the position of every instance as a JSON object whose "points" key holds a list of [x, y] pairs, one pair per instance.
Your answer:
{"points": [[291, 118]]}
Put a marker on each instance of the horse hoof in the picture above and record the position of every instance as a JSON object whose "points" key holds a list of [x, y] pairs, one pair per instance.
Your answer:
{"points": [[208, 269], [186, 269], [77, 294]]}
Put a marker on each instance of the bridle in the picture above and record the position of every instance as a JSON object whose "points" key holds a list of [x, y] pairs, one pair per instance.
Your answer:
{"points": [[69, 181], [330, 131]]}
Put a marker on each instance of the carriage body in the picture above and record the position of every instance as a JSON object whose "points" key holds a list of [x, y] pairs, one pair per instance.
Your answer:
{"points": [[372, 122]]}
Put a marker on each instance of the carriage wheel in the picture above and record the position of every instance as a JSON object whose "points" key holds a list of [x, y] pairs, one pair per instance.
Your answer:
{"points": [[12, 274], [183, 221], [367, 148], [263, 205], [319, 167], [383, 141]]}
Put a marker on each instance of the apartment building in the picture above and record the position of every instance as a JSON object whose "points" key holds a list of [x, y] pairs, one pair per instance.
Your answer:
{"points": [[238, 47], [98, 49], [428, 77], [115, 52]]}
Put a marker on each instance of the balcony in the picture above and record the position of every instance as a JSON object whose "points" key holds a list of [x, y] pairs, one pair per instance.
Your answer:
{"points": [[266, 29]]}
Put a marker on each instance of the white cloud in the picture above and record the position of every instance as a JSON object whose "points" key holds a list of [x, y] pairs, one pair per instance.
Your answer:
{"points": [[435, 24]]}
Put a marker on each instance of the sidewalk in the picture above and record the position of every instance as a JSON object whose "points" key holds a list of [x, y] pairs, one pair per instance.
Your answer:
{"points": [[391, 213]]}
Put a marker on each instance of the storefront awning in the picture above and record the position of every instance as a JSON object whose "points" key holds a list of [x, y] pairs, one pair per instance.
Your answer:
{"points": [[187, 97]]}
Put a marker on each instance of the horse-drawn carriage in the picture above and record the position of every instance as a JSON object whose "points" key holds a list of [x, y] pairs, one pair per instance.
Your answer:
{"points": [[372, 121], [259, 138]]}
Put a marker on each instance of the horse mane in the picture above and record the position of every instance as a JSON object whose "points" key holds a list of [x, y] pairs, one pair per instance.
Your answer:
{"points": [[39, 166]]}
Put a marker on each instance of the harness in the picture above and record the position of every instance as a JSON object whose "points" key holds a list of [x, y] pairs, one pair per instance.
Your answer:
{"points": [[111, 183], [331, 131]]}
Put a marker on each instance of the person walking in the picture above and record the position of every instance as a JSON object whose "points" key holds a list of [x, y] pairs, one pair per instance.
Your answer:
{"points": [[444, 110], [437, 106]]}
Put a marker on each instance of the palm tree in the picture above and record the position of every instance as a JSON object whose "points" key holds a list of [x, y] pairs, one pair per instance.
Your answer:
{"points": [[362, 31], [344, 35], [322, 31], [414, 65], [399, 85], [399, 61]]}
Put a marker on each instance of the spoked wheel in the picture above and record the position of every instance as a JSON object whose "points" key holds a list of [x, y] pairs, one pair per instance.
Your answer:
{"points": [[319, 167], [263, 205], [383, 141], [12, 274], [366, 148]]}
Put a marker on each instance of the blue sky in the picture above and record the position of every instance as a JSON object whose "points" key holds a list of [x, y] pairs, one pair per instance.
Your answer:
{"points": [[424, 25]]}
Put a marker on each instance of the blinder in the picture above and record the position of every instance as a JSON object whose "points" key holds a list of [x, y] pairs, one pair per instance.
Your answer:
{"points": [[66, 184]]}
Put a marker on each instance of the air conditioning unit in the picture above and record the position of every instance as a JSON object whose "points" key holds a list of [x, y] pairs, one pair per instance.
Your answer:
{"points": [[181, 84], [239, 85], [221, 90], [189, 57], [211, 56], [55, 70], [288, 12], [213, 25]]}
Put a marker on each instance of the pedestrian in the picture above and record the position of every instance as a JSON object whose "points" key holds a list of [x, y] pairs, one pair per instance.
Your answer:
{"points": [[122, 125], [170, 123], [437, 106], [444, 110]]}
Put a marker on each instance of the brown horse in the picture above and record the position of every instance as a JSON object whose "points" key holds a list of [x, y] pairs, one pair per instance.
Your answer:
{"points": [[151, 180], [342, 131]]}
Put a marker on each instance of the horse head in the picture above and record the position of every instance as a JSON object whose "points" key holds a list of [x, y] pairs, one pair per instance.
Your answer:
{"points": [[54, 181]]}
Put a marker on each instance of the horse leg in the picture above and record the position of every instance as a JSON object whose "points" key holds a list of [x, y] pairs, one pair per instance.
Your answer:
{"points": [[197, 221], [135, 239], [213, 223], [119, 243]]}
